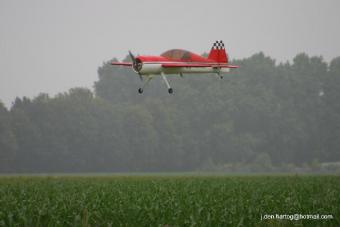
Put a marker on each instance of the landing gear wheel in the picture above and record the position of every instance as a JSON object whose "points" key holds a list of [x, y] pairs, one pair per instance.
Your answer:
{"points": [[140, 90], [170, 90]]}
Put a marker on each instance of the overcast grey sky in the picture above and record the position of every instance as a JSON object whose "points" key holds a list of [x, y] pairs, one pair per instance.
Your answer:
{"points": [[53, 45]]}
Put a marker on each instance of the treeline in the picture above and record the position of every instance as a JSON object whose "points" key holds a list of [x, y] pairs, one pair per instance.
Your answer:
{"points": [[264, 112]]}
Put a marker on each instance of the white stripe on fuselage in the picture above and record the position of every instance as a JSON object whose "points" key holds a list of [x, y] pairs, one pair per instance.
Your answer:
{"points": [[155, 68]]}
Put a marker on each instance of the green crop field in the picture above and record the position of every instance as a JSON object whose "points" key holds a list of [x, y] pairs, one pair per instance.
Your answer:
{"points": [[168, 200]]}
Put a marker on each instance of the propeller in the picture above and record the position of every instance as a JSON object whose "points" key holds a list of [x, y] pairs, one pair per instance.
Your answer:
{"points": [[136, 65]]}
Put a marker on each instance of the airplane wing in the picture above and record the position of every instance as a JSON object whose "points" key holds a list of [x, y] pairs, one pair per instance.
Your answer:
{"points": [[175, 65], [122, 63], [231, 66]]}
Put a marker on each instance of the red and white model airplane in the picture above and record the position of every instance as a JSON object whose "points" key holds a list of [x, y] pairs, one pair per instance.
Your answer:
{"points": [[178, 61]]}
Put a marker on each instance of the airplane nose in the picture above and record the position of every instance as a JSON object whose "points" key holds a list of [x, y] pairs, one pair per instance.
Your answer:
{"points": [[137, 65]]}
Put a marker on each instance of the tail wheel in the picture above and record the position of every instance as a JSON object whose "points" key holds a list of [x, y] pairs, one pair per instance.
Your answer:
{"points": [[140, 90], [170, 90]]}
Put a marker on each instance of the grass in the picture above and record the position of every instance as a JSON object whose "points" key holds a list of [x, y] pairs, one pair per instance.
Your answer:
{"points": [[166, 200]]}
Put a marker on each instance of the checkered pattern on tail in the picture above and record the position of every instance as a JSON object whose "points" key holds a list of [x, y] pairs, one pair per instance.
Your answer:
{"points": [[218, 45], [218, 53]]}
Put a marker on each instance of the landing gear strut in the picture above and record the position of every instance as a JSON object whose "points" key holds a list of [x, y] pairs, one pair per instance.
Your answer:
{"points": [[219, 75], [140, 90], [170, 90]]}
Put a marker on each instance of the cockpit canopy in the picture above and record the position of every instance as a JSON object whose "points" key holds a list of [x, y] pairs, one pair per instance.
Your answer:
{"points": [[182, 55], [177, 54]]}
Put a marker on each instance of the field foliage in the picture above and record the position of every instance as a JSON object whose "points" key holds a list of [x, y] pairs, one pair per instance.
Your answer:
{"points": [[166, 200]]}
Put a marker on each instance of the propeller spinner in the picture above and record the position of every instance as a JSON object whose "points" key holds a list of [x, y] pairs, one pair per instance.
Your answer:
{"points": [[136, 65]]}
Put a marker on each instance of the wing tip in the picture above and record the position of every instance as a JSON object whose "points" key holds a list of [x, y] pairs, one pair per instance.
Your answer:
{"points": [[121, 63]]}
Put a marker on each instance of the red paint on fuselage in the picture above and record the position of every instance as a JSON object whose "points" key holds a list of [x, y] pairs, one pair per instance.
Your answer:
{"points": [[144, 58], [185, 57]]}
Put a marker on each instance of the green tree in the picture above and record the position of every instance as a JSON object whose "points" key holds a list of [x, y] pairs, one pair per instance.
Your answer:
{"points": [[8, 143]]}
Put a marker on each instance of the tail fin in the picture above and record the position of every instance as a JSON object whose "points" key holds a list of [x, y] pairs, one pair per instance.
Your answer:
{"points": [[218, 53]]}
